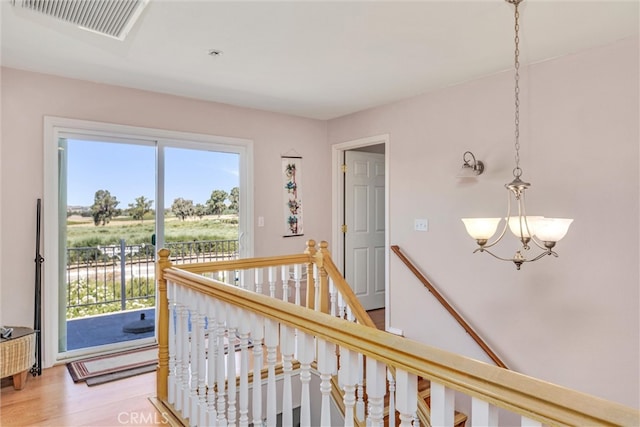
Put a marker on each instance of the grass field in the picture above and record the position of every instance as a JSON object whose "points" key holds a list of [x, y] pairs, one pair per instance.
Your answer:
{"points": [[81, 232]]}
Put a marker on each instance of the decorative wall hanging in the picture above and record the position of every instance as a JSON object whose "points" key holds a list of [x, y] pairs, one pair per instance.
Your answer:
{"points": [[292, 180]]}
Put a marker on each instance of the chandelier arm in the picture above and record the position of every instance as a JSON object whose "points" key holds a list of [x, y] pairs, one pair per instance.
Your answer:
{"points": [[532, 237], [543, 254], [506, 225], [522, 203], [492, 254], [522, 214]]}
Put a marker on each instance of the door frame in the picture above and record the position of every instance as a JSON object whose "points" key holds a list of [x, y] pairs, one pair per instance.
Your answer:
{"points": [[56, 126], [337, 191]]}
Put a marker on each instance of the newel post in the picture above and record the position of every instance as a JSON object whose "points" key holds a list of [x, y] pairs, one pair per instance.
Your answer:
{"points": [[311, 282], [324, 276], [162, 303]]}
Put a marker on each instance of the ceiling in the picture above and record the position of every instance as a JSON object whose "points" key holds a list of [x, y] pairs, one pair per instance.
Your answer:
{"points": [[320, 59]]}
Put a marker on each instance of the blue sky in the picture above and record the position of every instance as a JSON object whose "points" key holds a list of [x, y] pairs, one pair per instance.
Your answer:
{"points": [[127, 171]]}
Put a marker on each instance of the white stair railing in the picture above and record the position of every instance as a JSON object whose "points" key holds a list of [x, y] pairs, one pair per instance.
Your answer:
{"points": [[207, 317]]}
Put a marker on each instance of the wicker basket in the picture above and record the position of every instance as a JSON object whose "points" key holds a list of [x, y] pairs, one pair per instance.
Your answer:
{"points": [[17, 355]]}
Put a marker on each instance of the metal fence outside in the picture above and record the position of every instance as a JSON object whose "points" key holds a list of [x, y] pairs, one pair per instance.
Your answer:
{"points": [[118, 276]]}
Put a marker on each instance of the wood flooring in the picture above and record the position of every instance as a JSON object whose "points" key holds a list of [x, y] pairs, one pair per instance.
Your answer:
{"points": [[53, 399], [378, 317]]}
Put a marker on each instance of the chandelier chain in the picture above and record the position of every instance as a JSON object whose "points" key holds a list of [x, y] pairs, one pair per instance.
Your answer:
{"points": [[517, 172]]}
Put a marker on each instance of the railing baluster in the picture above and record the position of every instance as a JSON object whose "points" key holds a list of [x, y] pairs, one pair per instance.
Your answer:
{"points": [[243, 279], [392, 398], [527, 422], [244, 329], [257, 334], [192, 402], [316, 288], [333, 303], [483, 413], [406, 397], [348, 377], [297, 277], [212, 355], [442, 405], [376, 389], [200, 399], [171, 381], [326, 366], [220, 366], [271, 342], [360, 413], [183, 353], [342, 307], [306, 355], [258, 278], [272, 277], [284, 274], [349, 315], [287, 349], [232, 325]]}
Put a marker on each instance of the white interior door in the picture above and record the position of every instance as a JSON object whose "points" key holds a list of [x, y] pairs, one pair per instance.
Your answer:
{"points": [[365, 220]]}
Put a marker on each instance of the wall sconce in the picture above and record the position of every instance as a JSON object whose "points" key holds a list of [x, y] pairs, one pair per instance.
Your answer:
{"points": [[471, 167]]}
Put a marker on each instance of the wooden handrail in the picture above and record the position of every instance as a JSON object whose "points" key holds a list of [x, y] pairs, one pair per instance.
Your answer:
{"points": [[465, 325], [535, 399], [245, 263], [348, 296]]}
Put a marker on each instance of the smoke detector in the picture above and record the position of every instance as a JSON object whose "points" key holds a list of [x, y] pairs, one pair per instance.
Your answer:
{"points": [[111, 18]]}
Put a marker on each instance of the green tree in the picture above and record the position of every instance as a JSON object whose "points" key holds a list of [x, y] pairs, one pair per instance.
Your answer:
{"points": [[182, 208], [200, 210], [234, 199], [215, 204], [141, 207], [104, 207]]}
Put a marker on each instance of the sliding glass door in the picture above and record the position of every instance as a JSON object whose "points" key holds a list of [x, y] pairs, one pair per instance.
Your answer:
{"points": [[121, 193]]}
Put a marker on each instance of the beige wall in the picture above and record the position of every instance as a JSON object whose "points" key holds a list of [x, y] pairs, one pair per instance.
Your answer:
{"points": [[571, 320], [28, 97]]}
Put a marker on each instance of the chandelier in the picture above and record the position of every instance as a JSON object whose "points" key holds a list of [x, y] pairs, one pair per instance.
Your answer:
{"points": [[542, 232]]}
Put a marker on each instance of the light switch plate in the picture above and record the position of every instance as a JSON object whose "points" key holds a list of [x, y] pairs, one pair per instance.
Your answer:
{"points": [[421, 224]]}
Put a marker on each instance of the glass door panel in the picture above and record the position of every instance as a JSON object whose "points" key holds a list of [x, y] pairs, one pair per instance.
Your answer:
{"points": [[201, 204], [107, 257]]}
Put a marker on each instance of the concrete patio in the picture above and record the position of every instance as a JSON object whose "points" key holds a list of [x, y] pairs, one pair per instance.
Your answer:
{"points": [[105, 329]]}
